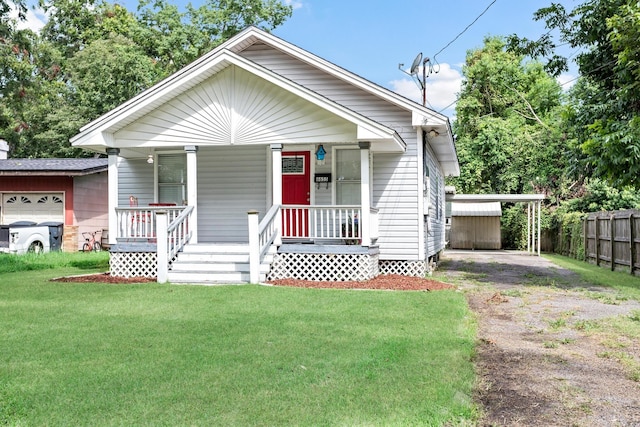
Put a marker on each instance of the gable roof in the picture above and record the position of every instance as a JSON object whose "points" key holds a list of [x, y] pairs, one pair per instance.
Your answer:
{"points": [[207, 66], [252, 35], [97, 135], [52, 167], [423, 117]]}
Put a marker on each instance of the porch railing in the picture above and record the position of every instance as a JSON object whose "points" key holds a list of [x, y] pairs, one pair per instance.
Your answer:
{"points": [[140, 223], [328, 222]]}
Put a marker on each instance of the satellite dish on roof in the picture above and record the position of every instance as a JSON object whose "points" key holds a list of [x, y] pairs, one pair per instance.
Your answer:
{"points": [[415, 67]]}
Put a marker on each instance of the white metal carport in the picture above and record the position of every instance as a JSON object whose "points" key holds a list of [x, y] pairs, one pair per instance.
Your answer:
{"points": [[534, 201]]}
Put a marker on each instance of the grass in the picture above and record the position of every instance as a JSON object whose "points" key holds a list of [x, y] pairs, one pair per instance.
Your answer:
{"points": [[617, 333], [10, 263], [626, 284], [97, 354]]}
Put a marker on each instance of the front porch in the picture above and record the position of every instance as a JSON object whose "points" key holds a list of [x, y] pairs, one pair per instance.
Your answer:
{"points": [[312, 243]]}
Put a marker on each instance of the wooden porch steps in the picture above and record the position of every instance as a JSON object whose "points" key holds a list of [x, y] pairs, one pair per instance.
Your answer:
{"points": [[216, 264]]}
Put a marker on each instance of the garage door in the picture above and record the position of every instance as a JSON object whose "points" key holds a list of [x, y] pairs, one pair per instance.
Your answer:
{"points": [[37, 207]]}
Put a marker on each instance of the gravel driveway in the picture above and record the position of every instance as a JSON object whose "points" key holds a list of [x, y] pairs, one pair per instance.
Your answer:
{"points": [[539, 361]]}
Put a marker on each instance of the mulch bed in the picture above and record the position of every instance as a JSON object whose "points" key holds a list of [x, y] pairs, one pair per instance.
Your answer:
{"points": [[394, 282], [103, 278], [386, 281]]}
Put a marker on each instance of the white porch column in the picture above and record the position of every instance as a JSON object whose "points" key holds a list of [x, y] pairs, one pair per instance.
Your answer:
{"points": [[192, 188], [113, 193], [276, 170], [162, 247], [254, 246], [365, 195]]}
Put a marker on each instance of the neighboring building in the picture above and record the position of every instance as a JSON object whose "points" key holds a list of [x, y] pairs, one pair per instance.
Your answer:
{"points": [[475, 225], [347, 177], [71, 191]]}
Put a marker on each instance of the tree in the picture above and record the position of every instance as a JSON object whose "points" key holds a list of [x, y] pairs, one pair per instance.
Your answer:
{"points": [[176, 38], [508, 138], [93, 55], [603, 120]]}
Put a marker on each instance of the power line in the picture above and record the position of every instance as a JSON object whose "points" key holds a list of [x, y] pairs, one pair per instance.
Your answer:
{"points": [[463, 31]]}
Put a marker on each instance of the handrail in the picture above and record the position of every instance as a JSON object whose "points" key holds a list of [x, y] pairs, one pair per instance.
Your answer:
{"points": [[261, 235], [178, 233], [267, 230]]}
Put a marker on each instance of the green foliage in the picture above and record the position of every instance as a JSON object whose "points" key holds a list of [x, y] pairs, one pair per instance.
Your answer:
{"points": [[602, 119], [569, 231], [599, 196], [507, 125], [513, 226], [108, 72], [93, 55]]}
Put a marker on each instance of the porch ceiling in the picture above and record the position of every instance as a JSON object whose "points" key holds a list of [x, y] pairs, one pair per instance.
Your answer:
{"points": [[229, 100]]}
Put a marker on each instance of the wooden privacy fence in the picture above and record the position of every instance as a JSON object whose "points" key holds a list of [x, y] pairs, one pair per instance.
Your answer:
{"points": [[613, 238]]}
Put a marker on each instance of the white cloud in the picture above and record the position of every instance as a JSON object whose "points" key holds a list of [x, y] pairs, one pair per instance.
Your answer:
{"points": [[293, 3], [442, 88], [36, 18]]}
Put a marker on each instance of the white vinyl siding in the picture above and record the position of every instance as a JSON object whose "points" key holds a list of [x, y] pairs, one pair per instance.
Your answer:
{"points": [[322, 192], [135, 178], [231, 181], [232, 108], [435, 226], [395, 190]]}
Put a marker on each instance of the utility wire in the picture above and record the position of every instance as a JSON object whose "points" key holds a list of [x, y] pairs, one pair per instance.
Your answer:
{"points": [[463, 31]]}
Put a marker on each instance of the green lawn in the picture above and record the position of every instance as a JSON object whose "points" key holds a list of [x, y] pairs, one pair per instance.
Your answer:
{"points": [[622, 281], [97, 354]]}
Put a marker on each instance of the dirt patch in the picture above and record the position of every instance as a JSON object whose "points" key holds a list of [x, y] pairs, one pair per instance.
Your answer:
{"points": [[536, 366]]}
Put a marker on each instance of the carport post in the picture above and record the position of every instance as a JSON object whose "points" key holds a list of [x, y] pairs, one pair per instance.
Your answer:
{"points": [[529, 227], [539, 223]]}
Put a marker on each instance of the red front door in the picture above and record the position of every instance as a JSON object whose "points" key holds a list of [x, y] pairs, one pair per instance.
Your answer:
{"points": [[296, 190]]}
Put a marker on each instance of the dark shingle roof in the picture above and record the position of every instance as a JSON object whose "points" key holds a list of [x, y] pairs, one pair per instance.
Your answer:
{"points": [[52, 166]]}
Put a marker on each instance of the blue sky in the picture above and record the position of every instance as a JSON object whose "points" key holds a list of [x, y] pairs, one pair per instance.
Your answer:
{"points": [[372, 37]]}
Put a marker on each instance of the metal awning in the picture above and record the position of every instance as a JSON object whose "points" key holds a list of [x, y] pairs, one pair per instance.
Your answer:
{"points": [[534, 201]]}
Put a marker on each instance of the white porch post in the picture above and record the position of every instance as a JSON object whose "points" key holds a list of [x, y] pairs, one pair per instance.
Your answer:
{"points": [[365, 195], [254, 247], [162, 255], [113, 193], [276, 170], [192, 188]]}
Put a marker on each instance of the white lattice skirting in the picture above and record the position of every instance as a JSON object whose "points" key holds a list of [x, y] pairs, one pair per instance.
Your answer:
{"points": [[404, 268], [133, 264], [324, 267]]}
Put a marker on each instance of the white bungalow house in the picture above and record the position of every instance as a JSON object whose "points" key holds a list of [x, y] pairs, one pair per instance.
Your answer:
{"points": [[262, 161]]}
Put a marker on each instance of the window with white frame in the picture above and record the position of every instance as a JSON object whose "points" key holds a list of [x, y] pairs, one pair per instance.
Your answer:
{"points": [[347, 176], [172, 178]]}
